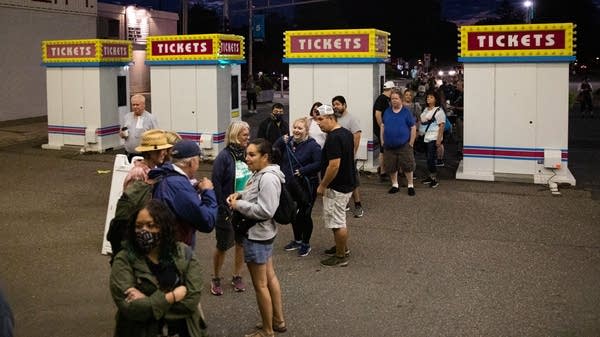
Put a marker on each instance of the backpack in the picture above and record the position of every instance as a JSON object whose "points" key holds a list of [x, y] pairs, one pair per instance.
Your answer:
{"points": [[287, 209], [133, 198]]}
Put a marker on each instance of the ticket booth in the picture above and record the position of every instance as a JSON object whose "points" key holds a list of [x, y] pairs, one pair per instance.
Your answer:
{"points": [[327, 63], [196, 85], [87, 85], [516, 102]]}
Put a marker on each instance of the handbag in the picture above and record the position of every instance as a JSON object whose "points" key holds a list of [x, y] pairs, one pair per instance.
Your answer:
{"points": [[299, 187], [241, 224]]}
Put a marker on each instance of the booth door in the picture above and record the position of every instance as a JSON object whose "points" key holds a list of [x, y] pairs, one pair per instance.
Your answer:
{"points": [[73, 106], [515, 118], [184, 107]]}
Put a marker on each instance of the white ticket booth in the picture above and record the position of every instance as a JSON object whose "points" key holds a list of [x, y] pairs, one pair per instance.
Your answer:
{"points": [[516, 102], [327, 63], [196, 85], [87, 85]]}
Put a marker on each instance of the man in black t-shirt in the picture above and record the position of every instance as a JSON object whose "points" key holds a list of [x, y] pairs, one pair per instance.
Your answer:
{"points": [[381, 103], [337, 183]]}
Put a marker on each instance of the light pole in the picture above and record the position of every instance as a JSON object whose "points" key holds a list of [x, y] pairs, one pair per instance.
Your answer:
{"points": [[529, 8], [250, 39]]}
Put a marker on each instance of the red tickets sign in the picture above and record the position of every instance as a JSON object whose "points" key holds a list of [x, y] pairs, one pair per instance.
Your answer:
{"points": [[182, 47], [75, 50], [230, 47], [330, 43], [115, 50], [514, 40]]}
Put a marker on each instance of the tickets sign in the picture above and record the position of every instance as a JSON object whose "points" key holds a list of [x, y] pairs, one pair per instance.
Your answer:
{"points": [[553, 41], [86, 51], [205, 47], [337, 44]]}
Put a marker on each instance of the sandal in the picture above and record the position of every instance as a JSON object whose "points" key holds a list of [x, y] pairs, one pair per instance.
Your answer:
{"points": [[277, 326]]}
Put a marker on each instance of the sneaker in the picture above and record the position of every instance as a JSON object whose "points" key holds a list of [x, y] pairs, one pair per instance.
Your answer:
{"points": [[293, 245], [347, 208], [439, 163], [215, 287], [427, 181], [238, 284], [304, 250], [335, 261], [331, 251], [411, 191], [393, 190], [434, 183], [358, 212]]}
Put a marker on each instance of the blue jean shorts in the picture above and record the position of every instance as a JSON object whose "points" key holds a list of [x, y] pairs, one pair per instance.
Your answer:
{"points": [[256, 252]]}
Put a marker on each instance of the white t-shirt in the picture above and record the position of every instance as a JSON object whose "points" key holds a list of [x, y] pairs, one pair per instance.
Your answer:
{"points": [[426, 116]]}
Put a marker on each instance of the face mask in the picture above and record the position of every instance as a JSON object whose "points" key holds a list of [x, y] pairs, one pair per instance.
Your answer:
{"points": [[146, 241], [277, 117]]}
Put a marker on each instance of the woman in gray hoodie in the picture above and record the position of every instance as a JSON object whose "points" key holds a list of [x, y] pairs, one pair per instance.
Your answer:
{"points": [[259, 201]]}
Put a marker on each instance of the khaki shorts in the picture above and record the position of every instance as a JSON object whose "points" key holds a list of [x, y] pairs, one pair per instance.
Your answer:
{"points": [[334, 208], [399, 160]]}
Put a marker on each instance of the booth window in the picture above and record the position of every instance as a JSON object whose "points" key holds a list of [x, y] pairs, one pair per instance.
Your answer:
{"points": [[122, 91], [235, 103]]}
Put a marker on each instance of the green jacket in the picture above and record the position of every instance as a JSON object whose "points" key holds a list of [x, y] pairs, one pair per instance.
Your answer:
{"points": [[141, 317]]}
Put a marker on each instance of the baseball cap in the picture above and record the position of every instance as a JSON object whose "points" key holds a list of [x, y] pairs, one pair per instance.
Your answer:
{"points": [[389, 85], [185, 149], [325, 110]]}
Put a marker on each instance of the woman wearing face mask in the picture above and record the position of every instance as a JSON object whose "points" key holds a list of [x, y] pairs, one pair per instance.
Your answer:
{"points": [[301, 162], [258, 201], [155, 281]]}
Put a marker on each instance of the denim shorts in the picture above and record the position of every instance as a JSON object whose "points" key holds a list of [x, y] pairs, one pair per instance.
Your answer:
{"points": [[257, 252]]}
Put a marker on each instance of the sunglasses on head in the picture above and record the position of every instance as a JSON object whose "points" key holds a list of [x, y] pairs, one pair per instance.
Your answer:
{"points": [[316, 112]]}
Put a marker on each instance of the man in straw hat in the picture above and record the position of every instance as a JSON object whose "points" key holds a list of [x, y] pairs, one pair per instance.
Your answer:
{"points": [[193, 203], [135, 124]]}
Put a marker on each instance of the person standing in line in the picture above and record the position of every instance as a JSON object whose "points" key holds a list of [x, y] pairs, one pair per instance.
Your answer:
{"points": [[259, 201], [433, 120], [155, 281], [153, 148], [273, 126], [585, 97], [338, 180], [251, 94], [229, 175], [350, 123], [398, 134], [194, 203], [314, 131], [301, 161], [381, 104], [135, 124]]}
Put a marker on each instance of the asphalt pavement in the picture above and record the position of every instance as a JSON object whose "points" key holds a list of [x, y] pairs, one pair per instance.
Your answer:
{"points": [[469, 258]]}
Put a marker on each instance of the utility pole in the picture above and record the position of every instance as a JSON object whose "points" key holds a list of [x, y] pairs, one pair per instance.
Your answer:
{"points": [[250, 39], [184, 17]]}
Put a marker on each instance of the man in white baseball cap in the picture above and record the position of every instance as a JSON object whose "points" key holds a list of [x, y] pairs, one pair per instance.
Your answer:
{"points": [[381, 103]]}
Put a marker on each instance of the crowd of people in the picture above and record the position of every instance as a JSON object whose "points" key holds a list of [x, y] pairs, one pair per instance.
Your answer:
{"points": [[155, 280]]}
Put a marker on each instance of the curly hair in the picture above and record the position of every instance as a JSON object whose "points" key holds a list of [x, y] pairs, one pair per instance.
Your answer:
{"points": [[161, 215]]}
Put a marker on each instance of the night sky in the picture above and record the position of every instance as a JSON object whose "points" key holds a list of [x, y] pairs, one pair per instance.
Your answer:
{"points": [[470, 11]]}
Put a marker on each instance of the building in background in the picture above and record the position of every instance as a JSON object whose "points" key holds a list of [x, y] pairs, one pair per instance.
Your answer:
{"points": [[26, 23]]}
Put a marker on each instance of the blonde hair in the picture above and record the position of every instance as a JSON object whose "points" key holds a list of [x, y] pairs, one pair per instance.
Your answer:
{"points": [[233, 131], [303, 120]]}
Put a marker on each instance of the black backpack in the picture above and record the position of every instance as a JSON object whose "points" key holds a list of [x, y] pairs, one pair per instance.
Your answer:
{"points": [[288, 207]]}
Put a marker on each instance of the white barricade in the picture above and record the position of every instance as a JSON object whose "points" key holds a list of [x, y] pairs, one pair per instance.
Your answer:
{"points": [[120, 170]]}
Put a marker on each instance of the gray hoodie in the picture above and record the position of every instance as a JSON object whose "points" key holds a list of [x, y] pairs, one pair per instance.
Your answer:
{"points": [[260, 200]]}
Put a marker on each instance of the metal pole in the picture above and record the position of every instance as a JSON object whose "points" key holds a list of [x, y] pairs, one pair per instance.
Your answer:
{"points": [[184, 17], [250, 40], [225, 15]]}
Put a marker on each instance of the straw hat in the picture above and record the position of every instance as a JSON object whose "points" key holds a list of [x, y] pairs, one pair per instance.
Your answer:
{"points": [[173, 137], [153, 140]]}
